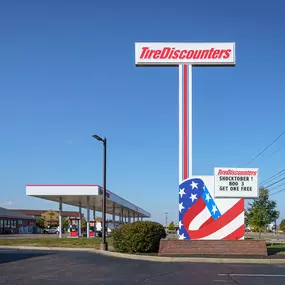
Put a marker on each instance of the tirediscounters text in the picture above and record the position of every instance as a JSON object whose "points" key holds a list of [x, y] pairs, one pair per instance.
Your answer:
{"points": [[162, 53], [236, 183]]}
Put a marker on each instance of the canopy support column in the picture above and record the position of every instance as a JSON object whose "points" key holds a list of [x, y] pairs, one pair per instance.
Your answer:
{"points": [[60, 217], [94, 220], [80, 221], [88, 217]]}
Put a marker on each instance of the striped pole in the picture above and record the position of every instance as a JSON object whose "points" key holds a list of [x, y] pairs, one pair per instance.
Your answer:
{"points": [[185, 122]]}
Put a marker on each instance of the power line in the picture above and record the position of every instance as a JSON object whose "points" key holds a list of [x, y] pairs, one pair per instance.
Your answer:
{"points": [[274, 176], [279, 191], [273, 153], [275, 182], [266, 148], [277, 186]]}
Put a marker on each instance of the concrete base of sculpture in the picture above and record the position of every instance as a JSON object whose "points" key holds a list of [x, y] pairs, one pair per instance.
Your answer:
{"points": [[172, 247]]}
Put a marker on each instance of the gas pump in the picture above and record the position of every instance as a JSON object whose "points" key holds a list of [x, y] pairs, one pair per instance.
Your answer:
{"points": [[74, 227]]}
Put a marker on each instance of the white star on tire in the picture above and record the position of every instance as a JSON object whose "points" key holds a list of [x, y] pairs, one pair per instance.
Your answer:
{"points": [[181, 207], [182, 192], [182, 237], [194, 185]]}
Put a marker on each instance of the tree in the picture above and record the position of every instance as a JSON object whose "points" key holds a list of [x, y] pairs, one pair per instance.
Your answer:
{"points": [[261, 211], [171, 226], [65, 223], [246, 221], [83, 224], [40, 222], [282, 225], [51, 218]]}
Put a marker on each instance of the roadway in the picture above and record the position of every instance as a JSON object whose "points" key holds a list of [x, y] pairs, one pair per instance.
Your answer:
{"points": [[18, 267]]}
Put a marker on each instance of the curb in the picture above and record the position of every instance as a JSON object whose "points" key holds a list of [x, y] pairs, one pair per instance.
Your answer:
{"points": [[153, 258], [190, 259]]}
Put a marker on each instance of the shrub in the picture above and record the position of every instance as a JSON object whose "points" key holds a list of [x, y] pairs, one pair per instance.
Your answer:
{"points": [[141, 236]]}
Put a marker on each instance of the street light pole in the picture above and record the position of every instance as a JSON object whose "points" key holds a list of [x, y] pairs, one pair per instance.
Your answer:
{"points": [[104, 244]]}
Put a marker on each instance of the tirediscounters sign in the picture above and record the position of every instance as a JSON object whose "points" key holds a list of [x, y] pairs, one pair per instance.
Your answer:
{"points": [[149, 53], [236, 182]]}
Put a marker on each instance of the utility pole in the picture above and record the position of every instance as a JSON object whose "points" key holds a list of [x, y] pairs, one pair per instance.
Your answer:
{"points": [[166, 219]]}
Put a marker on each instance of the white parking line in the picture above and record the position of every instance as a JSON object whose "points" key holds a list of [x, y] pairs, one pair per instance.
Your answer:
{"points": [[253, 275]]}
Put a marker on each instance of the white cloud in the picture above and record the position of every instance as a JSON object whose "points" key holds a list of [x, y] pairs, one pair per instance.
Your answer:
{"points": [[7, 203]]}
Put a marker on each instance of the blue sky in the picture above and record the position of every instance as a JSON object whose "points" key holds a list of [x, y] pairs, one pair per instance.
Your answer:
{"points": [[67, 71]]}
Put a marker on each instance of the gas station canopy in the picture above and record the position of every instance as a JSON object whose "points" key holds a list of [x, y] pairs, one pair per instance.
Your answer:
{"points": [[86, 196]]}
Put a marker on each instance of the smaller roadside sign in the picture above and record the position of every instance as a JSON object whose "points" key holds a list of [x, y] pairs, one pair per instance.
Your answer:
{"points": [[236, 182]]}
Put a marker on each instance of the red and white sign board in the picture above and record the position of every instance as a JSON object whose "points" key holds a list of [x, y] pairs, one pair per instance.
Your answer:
{"points": [[155, 53], [236, 182]]}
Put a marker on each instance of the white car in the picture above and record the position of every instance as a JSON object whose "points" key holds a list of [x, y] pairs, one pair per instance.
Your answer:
{"points": [[51, 231]]}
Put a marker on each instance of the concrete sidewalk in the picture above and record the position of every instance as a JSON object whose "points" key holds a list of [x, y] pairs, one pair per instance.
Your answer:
{"points": [[267, 260]]}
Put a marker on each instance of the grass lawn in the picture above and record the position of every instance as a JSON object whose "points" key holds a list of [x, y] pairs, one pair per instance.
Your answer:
{"points": [[277, 248], [55, 242]]}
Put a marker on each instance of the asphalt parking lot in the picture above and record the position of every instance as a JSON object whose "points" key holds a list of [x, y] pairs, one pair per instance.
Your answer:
{"points": [[26, 267]]}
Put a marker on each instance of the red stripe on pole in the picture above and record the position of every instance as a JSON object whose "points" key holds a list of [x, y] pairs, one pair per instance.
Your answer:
{"points": [[185, 120]]}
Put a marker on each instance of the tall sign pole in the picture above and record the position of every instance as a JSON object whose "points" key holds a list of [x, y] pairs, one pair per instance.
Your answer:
{"points": [[185, 56], [185, 122]]}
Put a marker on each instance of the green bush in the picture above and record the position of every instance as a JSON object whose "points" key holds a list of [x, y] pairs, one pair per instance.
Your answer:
{"points": [[141, 236]]}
